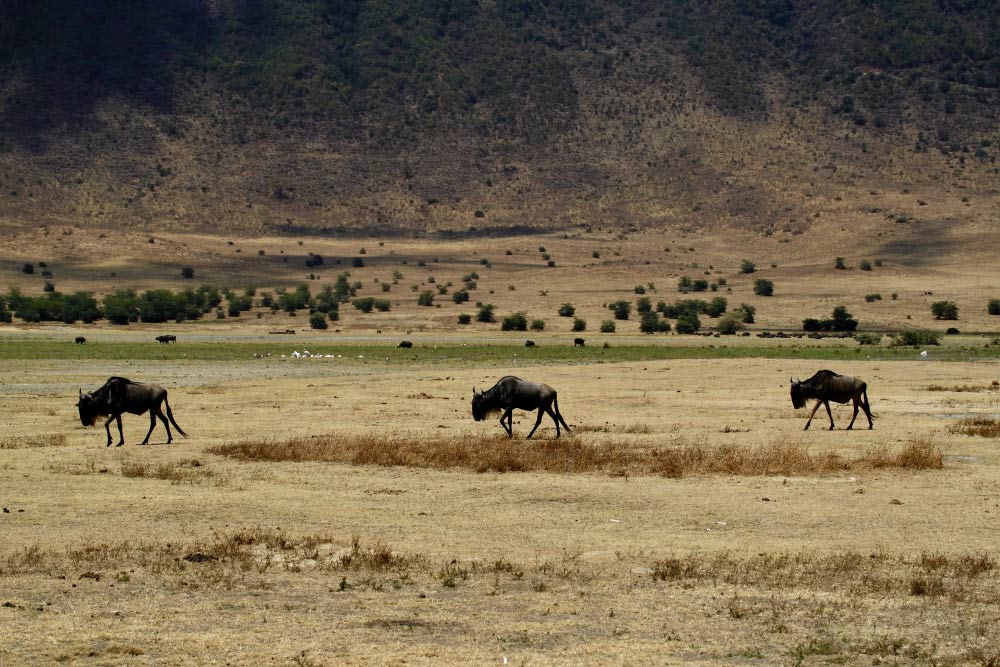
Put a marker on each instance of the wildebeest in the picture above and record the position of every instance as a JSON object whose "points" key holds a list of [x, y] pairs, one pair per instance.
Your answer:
{"points": [[511, 393], [826, 386], [120, 395], [405, 343], [79, 340], [578, 342], [166, 339], [529, 343]]}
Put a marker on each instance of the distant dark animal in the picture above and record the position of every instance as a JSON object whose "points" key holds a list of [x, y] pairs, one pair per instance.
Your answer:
{"points": [[578, 342], [826, 386], [405, 343], [80, 340], [166, 339], [529, 343], [118, 396], [512, 393]]}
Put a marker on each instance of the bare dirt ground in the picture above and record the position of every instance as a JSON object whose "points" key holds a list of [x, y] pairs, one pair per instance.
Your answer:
{"points": [[174, 555]]}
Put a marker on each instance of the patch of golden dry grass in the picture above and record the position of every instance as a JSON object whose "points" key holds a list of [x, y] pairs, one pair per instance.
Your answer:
{"points": [[986, 427], [43, 440], [573, 455], [186, 471]]}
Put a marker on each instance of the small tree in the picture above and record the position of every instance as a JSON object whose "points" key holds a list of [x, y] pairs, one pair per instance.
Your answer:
{"points": [[567, 310], [317, 320], [838, 263], [688, 323], [607, 326], [746, 266], [651, 323], [944, 310], [621, 309], [514, 322], [485, 313], [579, 325], [748, 312], [730, 323], [763, 287]]}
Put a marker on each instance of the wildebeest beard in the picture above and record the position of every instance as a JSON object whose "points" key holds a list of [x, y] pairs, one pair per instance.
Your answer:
{"points": [[482, 407], [798, 396], [89, 412]]}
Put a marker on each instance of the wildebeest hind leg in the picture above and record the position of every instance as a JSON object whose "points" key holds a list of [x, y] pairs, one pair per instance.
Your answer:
{"points": [[152, 424], [166, 424], [541, 413], [855, 416], [559, 416]]}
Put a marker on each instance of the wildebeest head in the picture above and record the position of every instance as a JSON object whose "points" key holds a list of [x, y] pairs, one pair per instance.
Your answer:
{"points": [[482, 405], [88, 409], [798, 396]]}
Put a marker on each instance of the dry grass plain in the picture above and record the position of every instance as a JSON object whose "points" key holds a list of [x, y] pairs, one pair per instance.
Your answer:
{"points": [[183, 555], [688, 519]]}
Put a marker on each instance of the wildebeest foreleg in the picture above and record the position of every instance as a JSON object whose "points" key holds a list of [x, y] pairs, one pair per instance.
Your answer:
{"points": [[509, 426], [813, 413], [107, 427], [541, 413]]}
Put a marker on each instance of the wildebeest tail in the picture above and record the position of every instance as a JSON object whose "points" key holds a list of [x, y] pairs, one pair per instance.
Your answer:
{"points": [[170, 416], [864, 394], [555, 404]]}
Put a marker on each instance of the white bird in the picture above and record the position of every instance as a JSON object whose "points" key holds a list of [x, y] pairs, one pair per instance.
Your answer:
{"points": [[924, 353]]}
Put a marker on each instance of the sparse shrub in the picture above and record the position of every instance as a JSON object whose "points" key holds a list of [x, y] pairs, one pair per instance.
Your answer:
{"points": [[464, 318], [461, 296], [993, 307], [643, 305], [621, 309], [514, 322], [28, 268], [364, 304], [651, 323], [187, 272], [952, 331], [763, 287], [868, 338], [748, 313], [485, 313], [730, 323], [894, 296], [639, 289], [944, 310], [567, 310], [838, 263], [607, 326], [595, 254], [869, 298], [426, 298], [746, 266], [357, 262], [865, 265], [579, 325], [915, 337], [49, 286], [688, 323], [716, 306], [317, 320], [537, 325]]}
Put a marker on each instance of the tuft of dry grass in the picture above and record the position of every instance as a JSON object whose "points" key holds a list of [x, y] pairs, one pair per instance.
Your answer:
{"points": [[970, 388], [919, 454], [43, 440], [186, 471], [986, 427], [573, 455]]}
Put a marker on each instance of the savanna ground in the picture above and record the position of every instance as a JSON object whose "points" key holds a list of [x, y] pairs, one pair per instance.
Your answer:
{"points": [[348, 510], [716, 531]]}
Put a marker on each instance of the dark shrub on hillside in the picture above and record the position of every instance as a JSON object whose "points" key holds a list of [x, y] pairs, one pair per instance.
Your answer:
{"points": [[944, 310], [514, 322]]}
